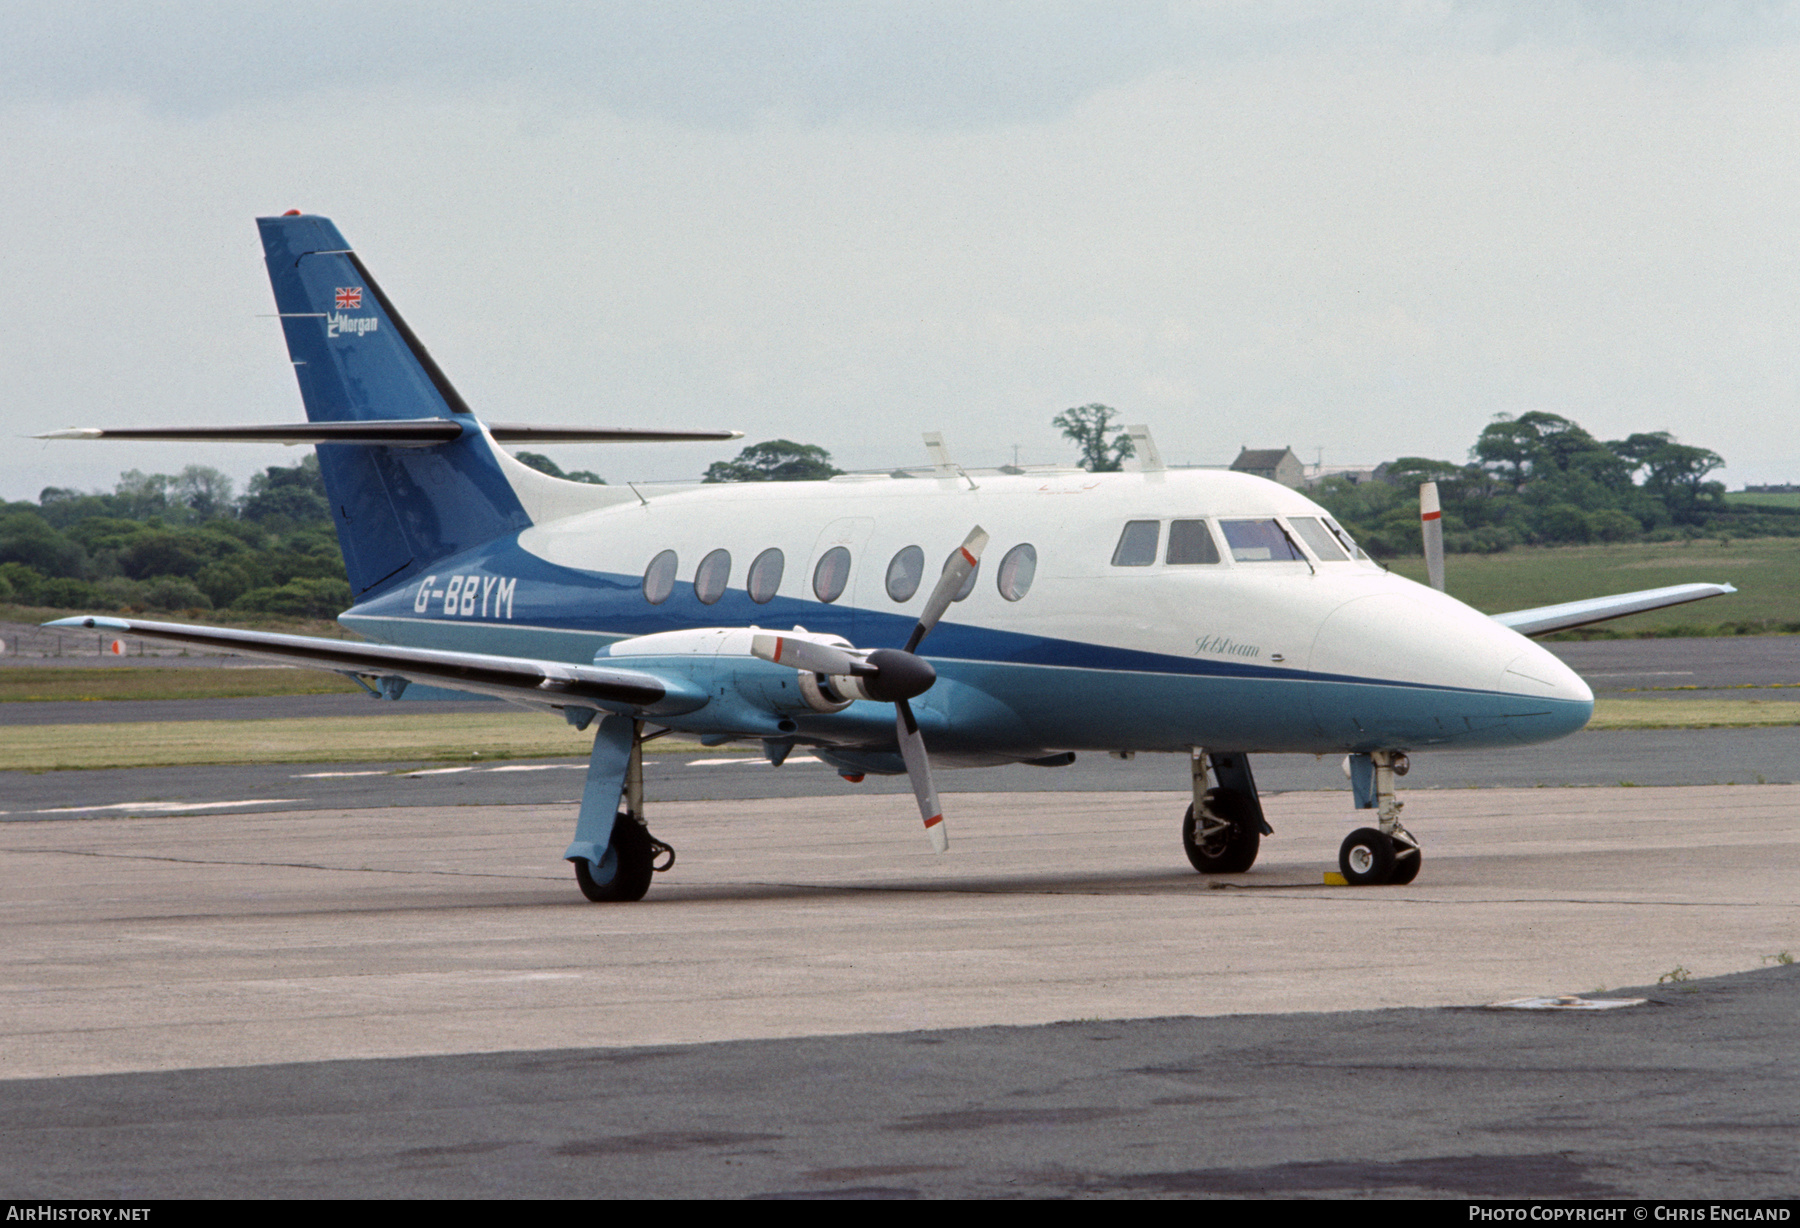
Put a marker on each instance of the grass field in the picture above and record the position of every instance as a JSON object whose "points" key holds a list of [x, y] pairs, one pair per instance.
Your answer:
{"points": [[1765, 570], [425, 737], [437, 738], [1741, 499], [133, 682]]}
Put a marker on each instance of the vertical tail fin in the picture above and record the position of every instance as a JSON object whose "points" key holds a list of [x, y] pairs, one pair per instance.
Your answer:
{"points": [[397, 510]]}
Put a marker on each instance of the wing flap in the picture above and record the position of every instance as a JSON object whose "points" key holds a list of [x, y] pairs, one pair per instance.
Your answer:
{"points": [[1543, 620], [522, 679]]}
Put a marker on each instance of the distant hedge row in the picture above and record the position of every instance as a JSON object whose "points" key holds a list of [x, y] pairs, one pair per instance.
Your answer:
{"points": [[1540, 479], [178, 544]]}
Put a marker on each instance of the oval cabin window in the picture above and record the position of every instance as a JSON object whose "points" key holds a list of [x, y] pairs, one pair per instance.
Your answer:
{"points": [[659, 577], [832, 574], [711, 576], [905, 572], [765, 576], [1017, 570]]}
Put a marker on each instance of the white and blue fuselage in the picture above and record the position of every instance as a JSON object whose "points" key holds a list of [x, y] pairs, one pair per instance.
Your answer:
{"points": [[1324, 652]]}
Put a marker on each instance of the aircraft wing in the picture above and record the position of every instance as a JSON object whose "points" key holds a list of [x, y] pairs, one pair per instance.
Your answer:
{"points": [[519, 679], [387, 432], [1545, 619]]}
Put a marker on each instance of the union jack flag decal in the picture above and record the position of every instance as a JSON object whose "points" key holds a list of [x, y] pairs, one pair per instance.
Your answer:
{"points": [[349, 297]]}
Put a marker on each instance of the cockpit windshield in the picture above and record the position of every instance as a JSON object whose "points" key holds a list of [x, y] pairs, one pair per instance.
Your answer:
{"points": [[1259, 541]]}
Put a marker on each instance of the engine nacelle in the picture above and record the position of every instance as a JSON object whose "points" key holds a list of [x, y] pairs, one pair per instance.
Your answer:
{"points": [[719, 659]]}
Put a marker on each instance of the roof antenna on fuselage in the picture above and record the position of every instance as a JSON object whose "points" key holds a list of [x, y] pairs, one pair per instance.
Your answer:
{"points": [[1145, 457], [941, 464]]}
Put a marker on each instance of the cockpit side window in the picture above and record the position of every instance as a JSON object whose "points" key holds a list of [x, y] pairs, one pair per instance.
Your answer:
{"points": [[1318, 539], [1137, 544], [1259, 541], [1190, 541], [1337, 531]]}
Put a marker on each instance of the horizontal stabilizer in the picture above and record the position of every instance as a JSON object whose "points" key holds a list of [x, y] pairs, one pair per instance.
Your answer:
{"points": [[391, 432], [1548, 618], [519, 679]]}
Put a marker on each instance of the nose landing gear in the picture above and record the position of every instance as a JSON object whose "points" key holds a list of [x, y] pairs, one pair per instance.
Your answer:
{"points": [[1388, 853]]}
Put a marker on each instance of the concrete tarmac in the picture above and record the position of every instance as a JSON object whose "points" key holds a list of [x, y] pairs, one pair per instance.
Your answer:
{"points": [[171, 942], [813, 1003]]}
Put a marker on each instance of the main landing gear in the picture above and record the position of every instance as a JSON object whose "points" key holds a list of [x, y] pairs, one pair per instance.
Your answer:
{"points": [[613, 851], [1223, 828], [1386, 853]]}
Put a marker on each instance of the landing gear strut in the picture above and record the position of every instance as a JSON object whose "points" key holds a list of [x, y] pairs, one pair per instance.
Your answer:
{"points": [[613, 851], [1223, 828], [1387, 853]]}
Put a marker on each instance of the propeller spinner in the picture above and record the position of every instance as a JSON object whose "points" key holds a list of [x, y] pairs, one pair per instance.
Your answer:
{"points": [[892, 675]]}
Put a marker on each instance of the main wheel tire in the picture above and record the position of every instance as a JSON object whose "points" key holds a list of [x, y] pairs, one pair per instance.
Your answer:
{"points": [[1231, 851], [1366, 858], [624, 873]]}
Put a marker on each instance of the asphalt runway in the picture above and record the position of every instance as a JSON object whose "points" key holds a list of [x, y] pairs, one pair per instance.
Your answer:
{"points": [[1676, 1099], [1642, 758]]}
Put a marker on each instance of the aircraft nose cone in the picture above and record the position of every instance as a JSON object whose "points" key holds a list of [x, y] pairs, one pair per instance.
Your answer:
{"points": [[1541, 673], [1560, 702], [1415, 668]]}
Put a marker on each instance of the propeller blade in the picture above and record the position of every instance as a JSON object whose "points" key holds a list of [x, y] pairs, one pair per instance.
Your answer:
{"points": [[918, 771], [1431, 525], [805, 655], [949, 584]]}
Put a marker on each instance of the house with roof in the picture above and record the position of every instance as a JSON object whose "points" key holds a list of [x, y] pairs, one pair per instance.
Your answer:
{"points": [[1278, 465]]}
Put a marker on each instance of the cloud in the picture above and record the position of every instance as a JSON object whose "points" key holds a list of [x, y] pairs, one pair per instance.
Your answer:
{"points": [[1362, 233]]}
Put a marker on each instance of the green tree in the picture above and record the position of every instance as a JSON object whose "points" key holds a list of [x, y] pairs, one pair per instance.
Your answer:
{"points": [[1087, 426], [775, 460], [543, 464], [287, 495], [1675, 473], [202, 490]]}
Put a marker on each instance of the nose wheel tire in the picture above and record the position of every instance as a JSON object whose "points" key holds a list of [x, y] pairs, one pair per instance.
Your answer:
{"points": [[1229, 841], [1366, 858], [623, 875], [1407, 860]]}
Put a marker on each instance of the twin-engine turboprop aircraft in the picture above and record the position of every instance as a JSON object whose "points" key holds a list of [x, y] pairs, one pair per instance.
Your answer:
{"points": [[1190, 611]]}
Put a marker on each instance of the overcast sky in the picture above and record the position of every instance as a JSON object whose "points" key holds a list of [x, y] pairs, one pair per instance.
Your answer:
{"points": [[1358, 229]]}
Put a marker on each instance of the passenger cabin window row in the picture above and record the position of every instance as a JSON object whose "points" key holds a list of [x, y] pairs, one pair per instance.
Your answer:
{"points": [[831, 574], [1191, 542]]}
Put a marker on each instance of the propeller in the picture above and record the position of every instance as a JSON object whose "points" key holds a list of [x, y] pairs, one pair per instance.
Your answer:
{"points": [[892, 675], [1431, 525]]}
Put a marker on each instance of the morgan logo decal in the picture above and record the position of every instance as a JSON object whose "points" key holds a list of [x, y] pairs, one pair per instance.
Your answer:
{"points": [[468, 596], [349, 298], [341, 325]]}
